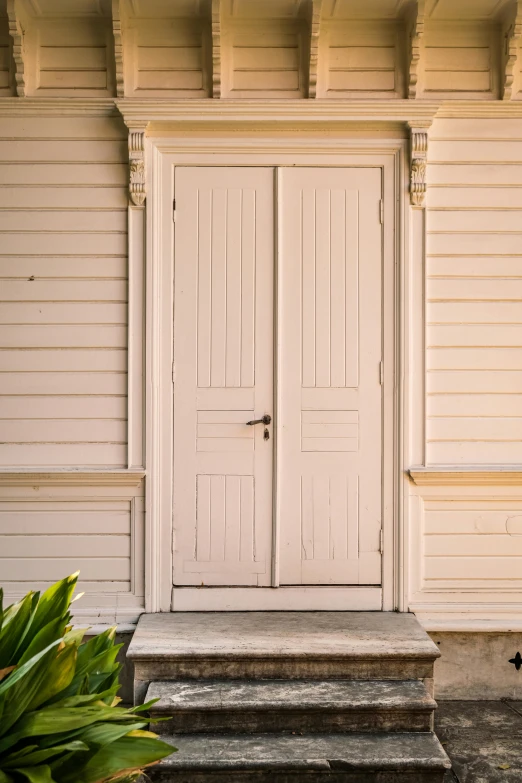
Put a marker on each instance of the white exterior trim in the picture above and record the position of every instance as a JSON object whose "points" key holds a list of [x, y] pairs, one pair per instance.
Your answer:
{"points": [[283, 599], [271, 150]]}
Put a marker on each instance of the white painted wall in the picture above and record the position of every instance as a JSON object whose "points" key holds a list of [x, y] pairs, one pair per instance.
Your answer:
{"points": [[67, 337], [469, 535], [63, 361]]}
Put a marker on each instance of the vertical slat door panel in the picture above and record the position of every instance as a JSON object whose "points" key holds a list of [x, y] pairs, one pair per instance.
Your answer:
{"points": [[330, 335], [223, 353]]}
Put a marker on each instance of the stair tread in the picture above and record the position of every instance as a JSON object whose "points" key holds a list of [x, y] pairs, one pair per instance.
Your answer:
{"points": [[382, 751], [258, 695]]}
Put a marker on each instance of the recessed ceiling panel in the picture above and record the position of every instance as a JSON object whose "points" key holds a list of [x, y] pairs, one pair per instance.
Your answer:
{"points": [[465, 9], [365, 9], [264, 9], [164, 9]]}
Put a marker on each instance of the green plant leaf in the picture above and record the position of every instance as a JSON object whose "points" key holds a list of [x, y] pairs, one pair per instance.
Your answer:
{"points": [[43, 638], [38, 756], [37, 774], [4, 778], [59, 675], [123, 756], [54, 602], [13, 631], [19, 689]]}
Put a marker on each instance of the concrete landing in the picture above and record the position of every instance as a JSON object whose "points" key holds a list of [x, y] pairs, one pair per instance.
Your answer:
{"points": [[275, 634]]}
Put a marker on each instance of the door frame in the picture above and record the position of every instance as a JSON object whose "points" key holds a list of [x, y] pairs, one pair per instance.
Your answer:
{"points": [[244, 147]]}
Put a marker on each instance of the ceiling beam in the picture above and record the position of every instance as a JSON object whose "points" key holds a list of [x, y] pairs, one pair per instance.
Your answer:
{"points": [[17, 28], [216, 49], [416, 36], [512, 58], [313, 56], [118, 48]]}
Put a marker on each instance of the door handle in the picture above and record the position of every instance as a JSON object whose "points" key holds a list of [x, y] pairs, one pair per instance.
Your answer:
{"points": [[265, 420]]}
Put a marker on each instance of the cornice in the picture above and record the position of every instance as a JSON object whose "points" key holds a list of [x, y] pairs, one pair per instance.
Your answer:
{"points": [[267, 111], [141, 112], [77, 478], [465, 476]]}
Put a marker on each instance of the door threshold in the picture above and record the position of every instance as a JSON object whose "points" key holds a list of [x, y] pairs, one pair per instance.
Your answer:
{"points": [[276, 599]]}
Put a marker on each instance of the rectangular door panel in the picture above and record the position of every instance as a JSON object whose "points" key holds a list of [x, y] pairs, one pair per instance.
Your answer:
{"points": [[329, 415], [223, 352]]}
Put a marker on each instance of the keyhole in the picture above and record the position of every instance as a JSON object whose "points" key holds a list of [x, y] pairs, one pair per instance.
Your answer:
{"points": [[266, 434]]}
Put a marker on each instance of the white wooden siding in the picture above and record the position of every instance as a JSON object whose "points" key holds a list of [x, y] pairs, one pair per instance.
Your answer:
{"points": [[474, 288], [47, 533], [471, 547], [63, 292]]}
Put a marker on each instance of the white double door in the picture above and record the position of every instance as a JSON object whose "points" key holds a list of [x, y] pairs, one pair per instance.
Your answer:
{"points": [[277, 312]]}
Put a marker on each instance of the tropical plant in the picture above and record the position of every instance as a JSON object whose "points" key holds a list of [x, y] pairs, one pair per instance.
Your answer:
{"points": [[59, 719]]}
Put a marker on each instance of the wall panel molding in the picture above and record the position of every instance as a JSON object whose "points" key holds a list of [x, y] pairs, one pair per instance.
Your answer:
{"points": [[71, 478]]}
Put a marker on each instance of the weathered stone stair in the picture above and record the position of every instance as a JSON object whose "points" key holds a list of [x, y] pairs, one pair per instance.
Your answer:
{"points": [[290, 696]]}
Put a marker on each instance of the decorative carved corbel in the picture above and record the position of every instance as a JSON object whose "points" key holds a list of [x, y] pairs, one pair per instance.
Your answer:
{"points": [[416, 35], [16, 31], [137, 190], [216, 48], [118, 48], [315, 30], [512, 37], [419, 162]]}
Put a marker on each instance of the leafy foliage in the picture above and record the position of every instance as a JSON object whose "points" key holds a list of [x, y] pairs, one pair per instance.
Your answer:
{"points": [[59, 719]]}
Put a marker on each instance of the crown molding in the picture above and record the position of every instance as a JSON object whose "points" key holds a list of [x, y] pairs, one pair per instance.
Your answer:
{"points": [[77, 478], [141, 112], [198, 112], [479, 110], [470, 476]]}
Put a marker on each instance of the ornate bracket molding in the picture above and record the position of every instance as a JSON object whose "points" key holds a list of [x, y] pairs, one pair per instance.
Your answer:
{"points": [[216, 48], [419, 161], [315, 31], [137, 190], [16, 32], [118, 48], [416, 35], [513, 36]]}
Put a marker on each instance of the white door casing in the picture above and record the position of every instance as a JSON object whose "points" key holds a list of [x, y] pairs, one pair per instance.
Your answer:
{"points": [[328, 505], [330, 422], [223, 353]]}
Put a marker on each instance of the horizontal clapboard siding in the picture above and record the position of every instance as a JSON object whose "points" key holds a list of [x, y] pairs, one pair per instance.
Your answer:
{"points": [[63, 293], [472, 544], [474, 293], [42, 540]]}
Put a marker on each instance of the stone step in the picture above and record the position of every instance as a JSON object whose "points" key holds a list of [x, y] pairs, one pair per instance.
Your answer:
{"points": [[240, 706], [280, 645], [330, 758]]}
